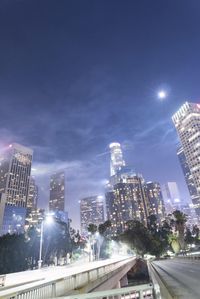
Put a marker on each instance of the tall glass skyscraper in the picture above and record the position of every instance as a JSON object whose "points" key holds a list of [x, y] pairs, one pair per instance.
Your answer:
{"points": [[155, 200], [92, 211], [33, 195], [15, 170], [116, 158], [126, 200], [187, 123], [188, 176], [57, 192], [171, 196]]}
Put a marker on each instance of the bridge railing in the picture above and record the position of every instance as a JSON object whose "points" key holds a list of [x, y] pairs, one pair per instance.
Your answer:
{"points": [[144, 291], [189, 256], [51, 288], [160, 288]]}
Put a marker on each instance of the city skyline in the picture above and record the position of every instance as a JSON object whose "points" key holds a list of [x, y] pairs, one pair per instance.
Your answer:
{"points": [[70, 87]]}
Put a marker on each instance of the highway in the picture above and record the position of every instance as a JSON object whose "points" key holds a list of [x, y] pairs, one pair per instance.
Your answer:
{"points": [[181, 276]]}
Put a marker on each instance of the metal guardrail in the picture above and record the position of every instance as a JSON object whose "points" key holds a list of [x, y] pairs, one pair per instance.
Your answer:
{"points": [[51, 288], [190, 256], [144, 291]]}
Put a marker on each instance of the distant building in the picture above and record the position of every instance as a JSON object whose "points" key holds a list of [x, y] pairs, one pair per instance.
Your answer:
{"points": [[34, 218], [195, 197], [127, 200], [116, 158], [15, 170], [187, 123], [33, 195], [155, 200], [171, 196], [57, 192], [92, 211], [192, 218]]}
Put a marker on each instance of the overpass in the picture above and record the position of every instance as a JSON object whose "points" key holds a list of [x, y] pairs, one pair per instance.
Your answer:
{"points": [[176, 278], [172, 278], [53, 282]]}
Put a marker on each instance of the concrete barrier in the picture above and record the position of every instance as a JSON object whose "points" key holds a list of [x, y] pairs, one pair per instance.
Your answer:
{"points": [[68, 283], [161, 290]]}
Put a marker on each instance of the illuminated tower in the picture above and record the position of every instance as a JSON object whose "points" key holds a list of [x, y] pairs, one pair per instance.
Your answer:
{"points": [[57, 192], [116, 161], [171, 196], [33, 195], [188, 176], [92, 211], [187, 123], [127, 200], [15, 170], [155, 200]]}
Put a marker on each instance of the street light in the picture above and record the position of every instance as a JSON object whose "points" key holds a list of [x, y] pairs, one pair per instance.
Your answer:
{"points": [[48, 220]]}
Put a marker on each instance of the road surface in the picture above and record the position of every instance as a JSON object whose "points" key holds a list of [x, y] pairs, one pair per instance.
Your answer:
{"points": [[181, 276]]}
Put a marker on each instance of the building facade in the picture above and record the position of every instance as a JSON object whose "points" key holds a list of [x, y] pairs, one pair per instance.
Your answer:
{"points": [[33, 195], [155, 201], [195, 197], [126, 201], [15, 170], [187, 123], [57, 192], [91, 211], [171, 197], [116, 158]]}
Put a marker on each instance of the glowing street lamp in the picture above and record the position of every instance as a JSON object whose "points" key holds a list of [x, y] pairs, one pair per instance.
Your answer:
{"points": [[48, 220]]}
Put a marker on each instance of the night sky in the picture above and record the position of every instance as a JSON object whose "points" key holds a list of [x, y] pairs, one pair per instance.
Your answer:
{"points": [[77, 75]]}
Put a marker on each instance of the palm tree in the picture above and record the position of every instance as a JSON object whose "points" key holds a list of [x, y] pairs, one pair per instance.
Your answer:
{"points": [[179, 220]]}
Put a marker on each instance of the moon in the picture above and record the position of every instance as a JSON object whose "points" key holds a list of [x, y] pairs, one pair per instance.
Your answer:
{"points": [[162, 94]]}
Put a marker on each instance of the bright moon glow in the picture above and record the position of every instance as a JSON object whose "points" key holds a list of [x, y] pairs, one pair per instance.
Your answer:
{"points": [[162, 94]]}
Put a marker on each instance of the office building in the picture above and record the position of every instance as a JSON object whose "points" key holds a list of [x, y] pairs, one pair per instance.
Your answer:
{"points": [[171, 197], [187, 123], [15, 170], [116, 158], [155, 201], [57, 192], [92, 211], [34, 218], [194, 196], [33, 195], [127, 200]]}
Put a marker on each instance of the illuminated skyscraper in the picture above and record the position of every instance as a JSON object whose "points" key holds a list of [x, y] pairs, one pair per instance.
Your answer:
{"points": [[116, 159], [187, 123], [92, 211], [127, 200], [15, 170], [155, 200], [33, 195], [171, 196], [188, 176], [57, 192]]}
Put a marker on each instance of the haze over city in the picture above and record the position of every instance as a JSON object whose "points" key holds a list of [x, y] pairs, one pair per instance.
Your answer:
{"points": [[74, 78]]}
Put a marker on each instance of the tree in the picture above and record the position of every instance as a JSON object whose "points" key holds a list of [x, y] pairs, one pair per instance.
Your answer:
{"points": [[102, 241], [178, 221], [103, 227], [195, 234], [92, 228], [189, 239], [137, 236]]}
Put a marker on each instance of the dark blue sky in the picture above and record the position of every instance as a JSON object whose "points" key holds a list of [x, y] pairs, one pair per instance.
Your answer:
{"points": [[77, 75]]}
